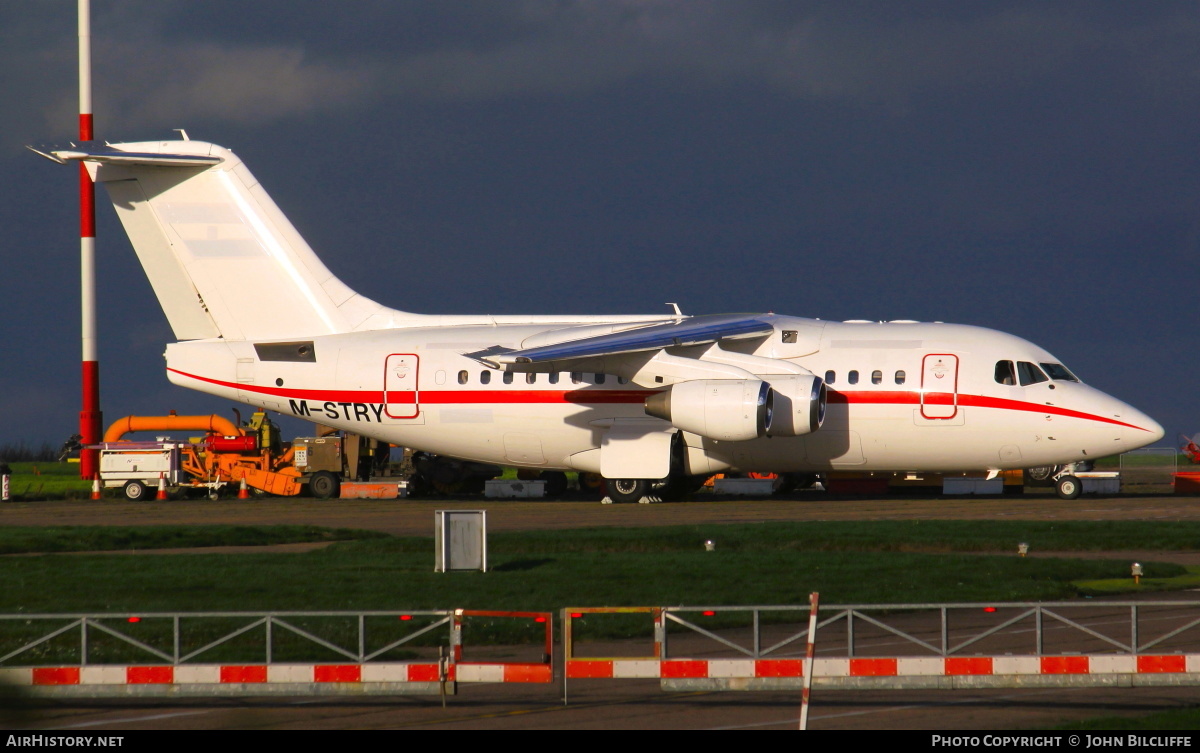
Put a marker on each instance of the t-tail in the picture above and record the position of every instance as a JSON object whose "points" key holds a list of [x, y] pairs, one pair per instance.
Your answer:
{"points": [[222, 258]]}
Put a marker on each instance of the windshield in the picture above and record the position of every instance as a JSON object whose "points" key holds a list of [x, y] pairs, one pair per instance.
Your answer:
{"points": [[1029, 374], [1059, 372]]}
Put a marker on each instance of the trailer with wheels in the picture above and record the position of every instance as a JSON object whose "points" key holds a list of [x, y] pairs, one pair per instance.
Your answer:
{"points": [[137, 467]]}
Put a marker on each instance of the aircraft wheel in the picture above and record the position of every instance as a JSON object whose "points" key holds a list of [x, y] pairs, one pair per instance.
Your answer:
{"points": [[1069, 487], [323, 485], [590, 482], [136, 491], [1042, 475], [627, 489]]}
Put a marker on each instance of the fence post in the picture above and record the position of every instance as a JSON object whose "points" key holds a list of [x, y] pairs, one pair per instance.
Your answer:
{"points": [[660, 634]]}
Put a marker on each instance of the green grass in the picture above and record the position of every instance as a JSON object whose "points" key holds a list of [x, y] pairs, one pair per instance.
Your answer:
{"points": [[51, 480], [57, 539], [928, 536], [1175, 719], [1151, 582], [883, 562]]}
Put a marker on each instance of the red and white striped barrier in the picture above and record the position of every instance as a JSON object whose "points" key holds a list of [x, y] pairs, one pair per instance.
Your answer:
{"points": [[468, 671], [225, 674], [421, 677], [889, 667], [268, 674]]}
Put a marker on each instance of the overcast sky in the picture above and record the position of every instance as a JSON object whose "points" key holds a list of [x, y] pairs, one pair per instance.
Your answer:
{"points": [[1026, 166]]}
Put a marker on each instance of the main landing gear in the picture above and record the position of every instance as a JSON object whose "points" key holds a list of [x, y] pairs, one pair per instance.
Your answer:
{"points": [[671, 489], [626, 490]]}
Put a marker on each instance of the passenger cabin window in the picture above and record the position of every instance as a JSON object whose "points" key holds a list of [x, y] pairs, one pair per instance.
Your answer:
{"points": [[877, 377], [852, 377], [1006, 373], [900, 377], [530, 378], [508, 377], [485, 377], [554, 378], [1029, 374], [830, 376], [576, 377], [463, 377], [600, 379]]}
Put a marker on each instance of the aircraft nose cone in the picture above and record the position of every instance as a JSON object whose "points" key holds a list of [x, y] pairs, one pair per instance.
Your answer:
{"points": [[1155, 429], [1146, 430]]}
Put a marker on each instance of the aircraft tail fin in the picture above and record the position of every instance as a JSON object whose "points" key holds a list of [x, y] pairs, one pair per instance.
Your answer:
{"points": [[222, 258]]}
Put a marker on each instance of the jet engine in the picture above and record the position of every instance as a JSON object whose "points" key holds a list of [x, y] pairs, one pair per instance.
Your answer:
{"points": [[729, 410], [799, 404]]}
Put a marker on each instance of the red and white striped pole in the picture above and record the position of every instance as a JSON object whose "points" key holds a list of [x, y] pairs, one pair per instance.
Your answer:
{"points": [[89, 416], [814, 599]]}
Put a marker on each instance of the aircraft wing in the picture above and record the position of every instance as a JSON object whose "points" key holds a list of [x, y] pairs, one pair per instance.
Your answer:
{"points": [[696, 330]]}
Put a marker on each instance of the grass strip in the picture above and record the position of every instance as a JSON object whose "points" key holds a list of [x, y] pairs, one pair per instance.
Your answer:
{"points": [[928, 536], [50, 480], [569, 568], [754, 564], [1187, 580], [58, 539], [1174, 719]]}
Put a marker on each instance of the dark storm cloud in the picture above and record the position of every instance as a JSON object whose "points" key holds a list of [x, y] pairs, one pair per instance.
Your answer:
{"points": [[162, 63]]}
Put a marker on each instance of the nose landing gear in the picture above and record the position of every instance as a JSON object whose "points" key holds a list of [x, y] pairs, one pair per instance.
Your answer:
{"points": [[1061, 477], [1068, 486]]}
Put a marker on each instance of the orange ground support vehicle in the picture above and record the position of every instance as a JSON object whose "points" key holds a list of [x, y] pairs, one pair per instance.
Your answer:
{"points": [[226, 454]]}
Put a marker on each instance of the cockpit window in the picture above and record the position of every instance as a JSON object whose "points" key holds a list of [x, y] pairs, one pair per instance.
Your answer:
{"points": [[1029, 373], [1005, 373], [1059, 372]]}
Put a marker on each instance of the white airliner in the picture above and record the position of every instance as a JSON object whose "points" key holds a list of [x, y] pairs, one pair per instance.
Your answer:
{"points": [[638, 399]]}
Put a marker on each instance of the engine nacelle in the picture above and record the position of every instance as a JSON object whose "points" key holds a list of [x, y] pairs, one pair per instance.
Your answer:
{"points": [[729, 410], [799, 404]]}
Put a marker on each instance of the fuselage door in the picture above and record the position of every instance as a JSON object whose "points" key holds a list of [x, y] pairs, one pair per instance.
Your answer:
{"points": [[939, 385], [400, 396]]}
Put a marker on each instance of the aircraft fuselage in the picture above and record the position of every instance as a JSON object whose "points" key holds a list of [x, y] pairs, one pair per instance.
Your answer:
{"points": [[902, 396]]}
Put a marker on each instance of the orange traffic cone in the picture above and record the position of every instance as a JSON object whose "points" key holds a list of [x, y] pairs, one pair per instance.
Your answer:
{"points": [[243, 492], [162, 488], [96, 486]]}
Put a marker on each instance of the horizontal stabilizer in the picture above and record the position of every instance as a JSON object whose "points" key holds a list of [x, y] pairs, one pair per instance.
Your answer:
{"points": [[100, 153]]}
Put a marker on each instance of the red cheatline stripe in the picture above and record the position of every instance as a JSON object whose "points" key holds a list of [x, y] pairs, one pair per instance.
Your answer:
{"points": [[628, 396], [437, 397], [897, 397]]}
